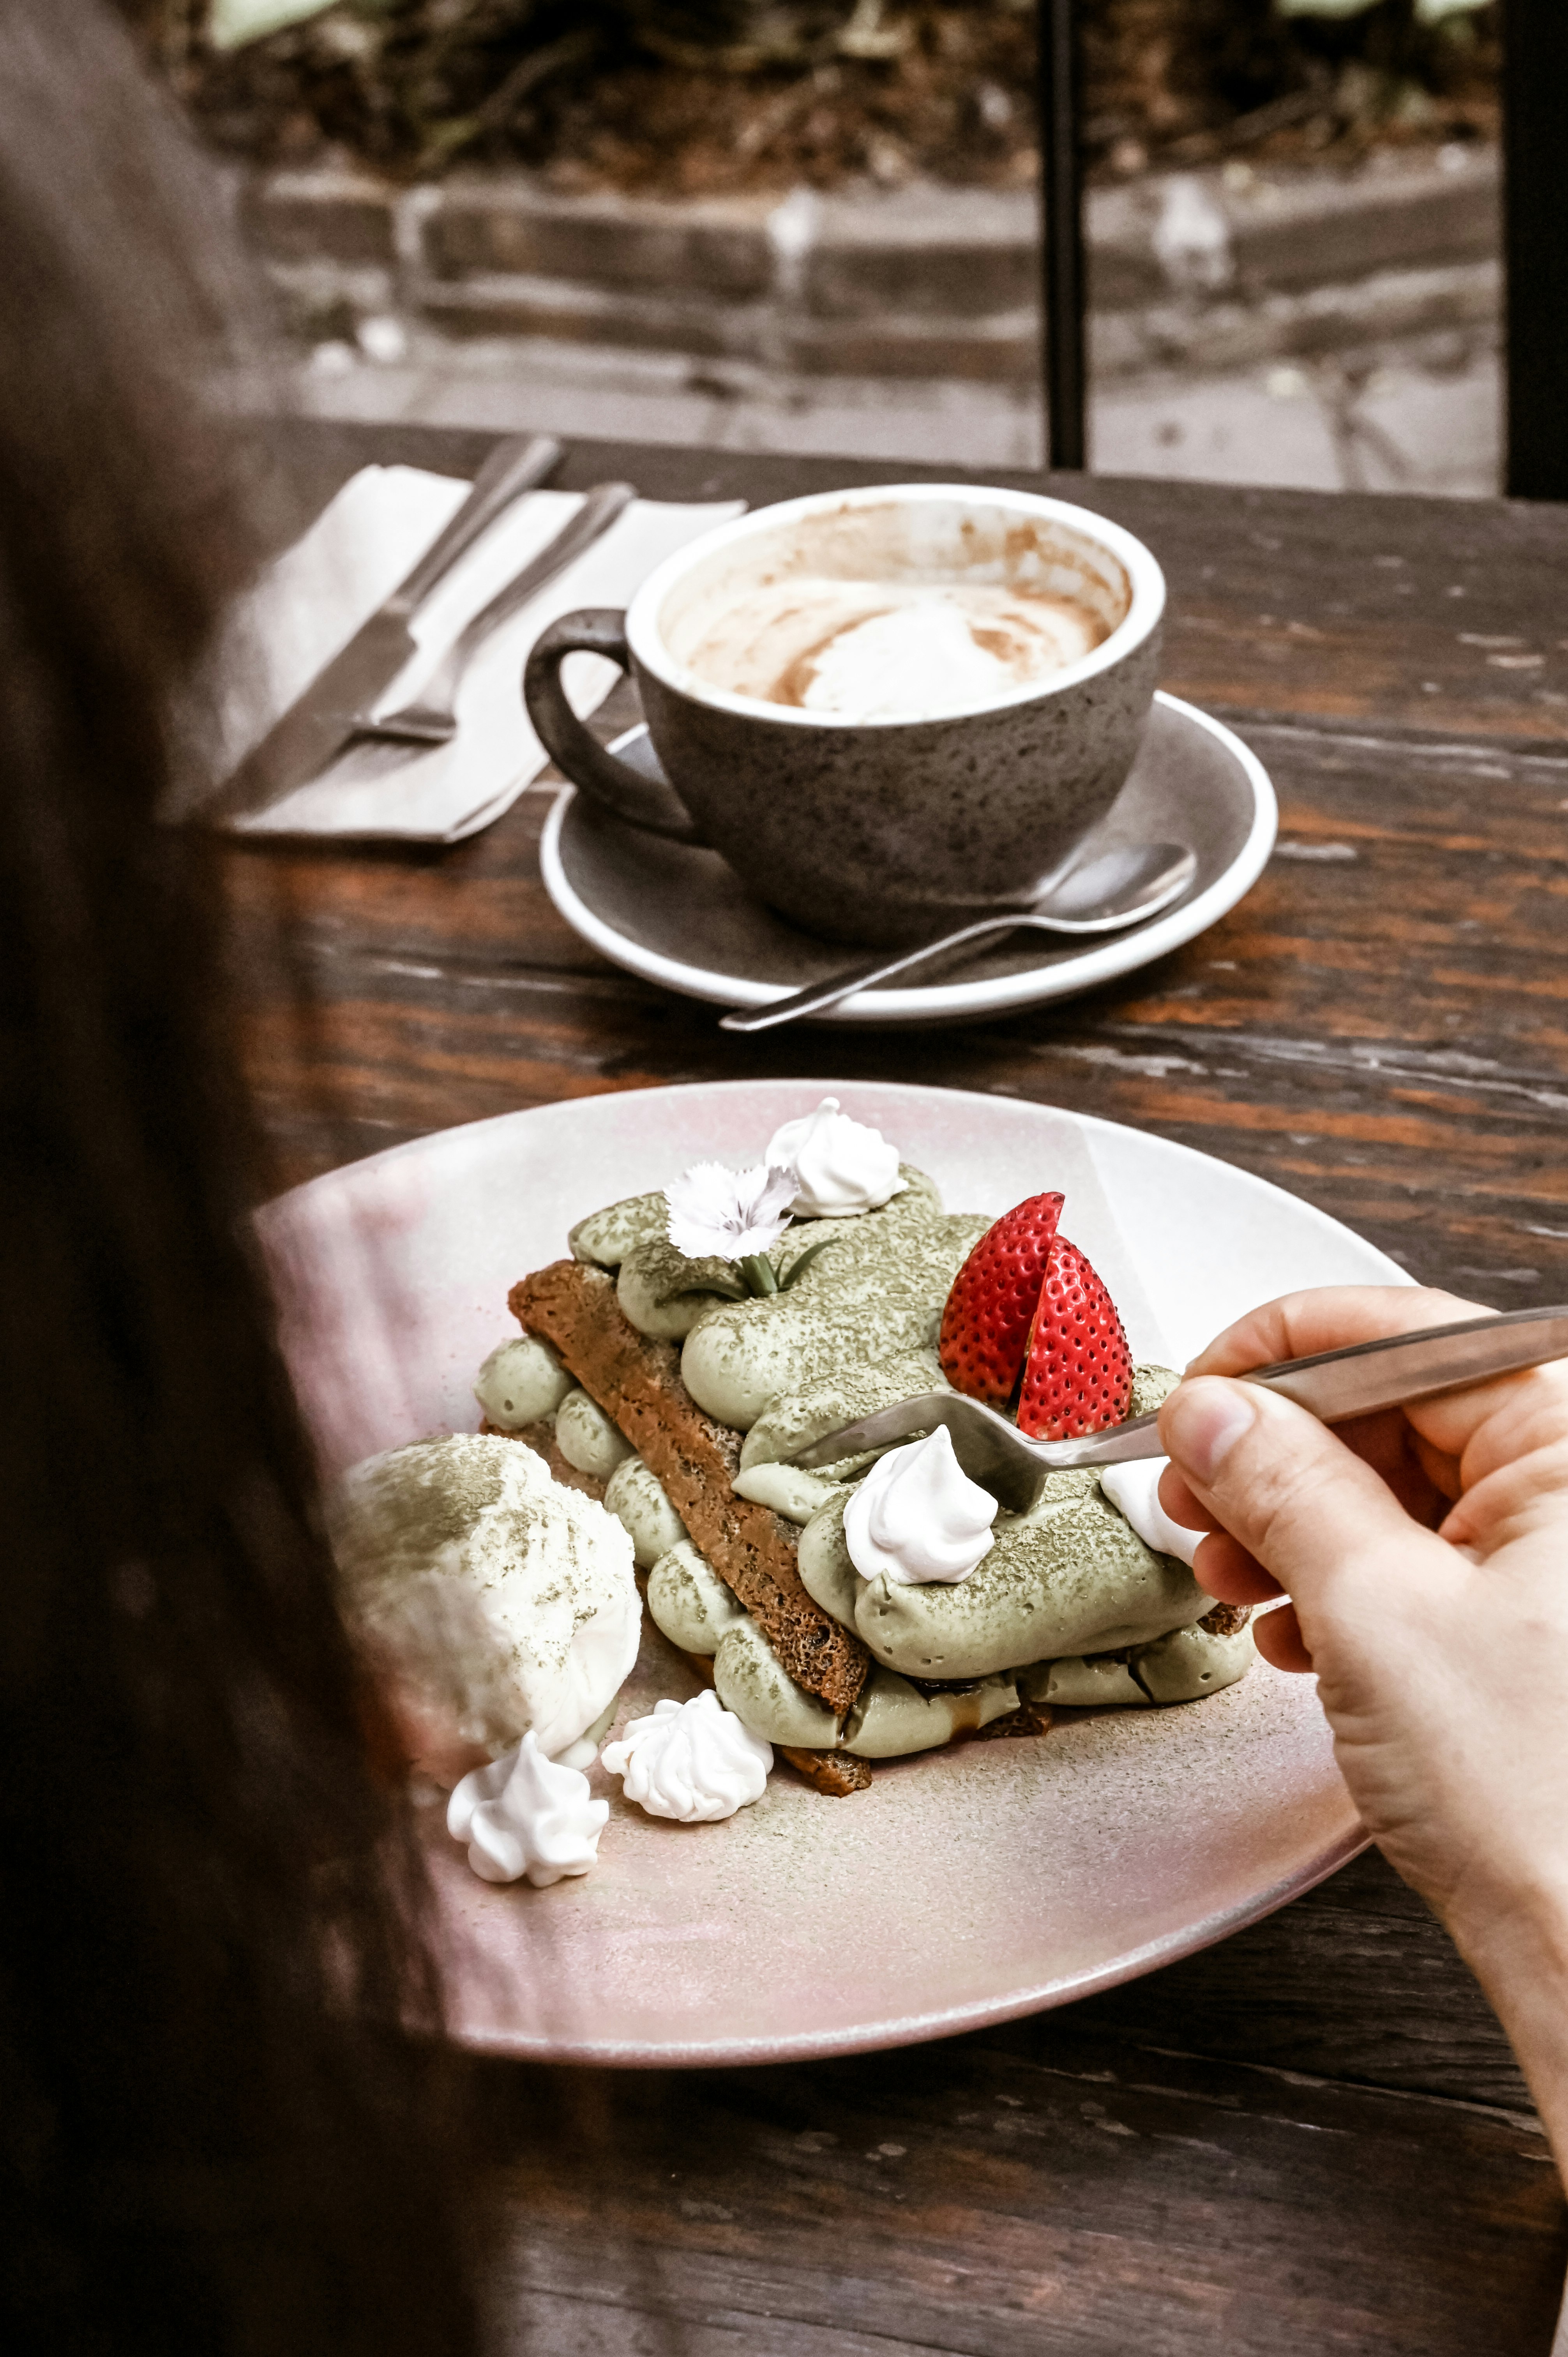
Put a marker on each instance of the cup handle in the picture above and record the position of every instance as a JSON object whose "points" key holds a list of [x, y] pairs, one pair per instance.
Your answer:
{"points": [[641, 801]]}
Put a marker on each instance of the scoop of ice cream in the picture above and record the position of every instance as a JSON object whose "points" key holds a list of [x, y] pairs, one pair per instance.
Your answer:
{"points": [[918, 1517], [524, 1815], [841, 1166], [691, 1762], [496, 1601]]}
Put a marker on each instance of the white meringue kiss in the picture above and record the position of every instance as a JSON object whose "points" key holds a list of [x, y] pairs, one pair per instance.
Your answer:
{"points": [[840, 1166], [1136, 1489], [526, 1816], [691, 1762], [918, 1517]]}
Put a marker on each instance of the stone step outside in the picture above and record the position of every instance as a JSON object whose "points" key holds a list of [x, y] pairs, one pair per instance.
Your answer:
{"points": [[998, 345], [1220, 269], [1226, 332]]}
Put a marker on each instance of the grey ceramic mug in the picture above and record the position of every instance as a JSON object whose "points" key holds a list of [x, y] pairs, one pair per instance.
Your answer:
{"points": [[881, 830]]}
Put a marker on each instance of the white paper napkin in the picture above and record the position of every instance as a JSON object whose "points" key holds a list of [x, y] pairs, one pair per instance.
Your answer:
{"points": [[318, 593]]}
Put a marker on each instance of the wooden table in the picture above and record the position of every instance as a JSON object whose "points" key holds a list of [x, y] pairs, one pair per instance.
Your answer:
{"points": [[1312, 2138]]}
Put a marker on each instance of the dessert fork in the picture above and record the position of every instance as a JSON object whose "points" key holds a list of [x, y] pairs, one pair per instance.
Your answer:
{"points": [[1334, 1384], [431, 717]]}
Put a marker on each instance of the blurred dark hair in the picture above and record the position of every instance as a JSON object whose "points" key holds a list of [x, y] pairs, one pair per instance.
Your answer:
{"points": [[223, 2114]]}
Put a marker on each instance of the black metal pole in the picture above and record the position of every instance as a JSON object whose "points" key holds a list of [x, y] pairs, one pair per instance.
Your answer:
{"points": [[1061, 200], [1535, 245]]}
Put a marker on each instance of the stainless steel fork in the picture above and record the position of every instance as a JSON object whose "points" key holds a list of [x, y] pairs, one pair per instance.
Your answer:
{"points": [[1334, 1384], [431, 717]]}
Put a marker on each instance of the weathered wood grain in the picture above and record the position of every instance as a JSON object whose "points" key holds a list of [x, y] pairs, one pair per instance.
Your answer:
{"points": [[1356, 1981], [1429, 614], [1383, 1029], [1312, 2138], [1092, 2197]]}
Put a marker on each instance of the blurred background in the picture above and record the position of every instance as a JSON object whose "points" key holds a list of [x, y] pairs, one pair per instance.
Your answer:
{"points": [[812, 225]]}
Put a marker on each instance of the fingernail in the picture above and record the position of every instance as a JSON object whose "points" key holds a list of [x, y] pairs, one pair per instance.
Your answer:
{"points": [[1202, 1424]]}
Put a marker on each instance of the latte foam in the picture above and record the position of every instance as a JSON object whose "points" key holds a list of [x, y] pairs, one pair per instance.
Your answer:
{"points": [[889, 649]]}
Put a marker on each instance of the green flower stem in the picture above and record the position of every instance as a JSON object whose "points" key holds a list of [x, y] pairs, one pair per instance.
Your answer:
{"points": [[758, 1272], [802, 1262]]}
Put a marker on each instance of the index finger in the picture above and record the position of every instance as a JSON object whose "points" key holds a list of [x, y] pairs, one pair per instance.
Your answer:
{"points": [[1331, 1318], [1328, 1317]]}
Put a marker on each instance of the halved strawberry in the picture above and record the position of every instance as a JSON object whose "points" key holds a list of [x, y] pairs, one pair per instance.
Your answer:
{"points": [[986, 1323], [1078, 1370]]}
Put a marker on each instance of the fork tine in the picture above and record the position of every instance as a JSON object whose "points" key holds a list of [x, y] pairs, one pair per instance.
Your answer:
{"points": [[990, 1449], [900, 1422], [434, 720], [417, 724]]}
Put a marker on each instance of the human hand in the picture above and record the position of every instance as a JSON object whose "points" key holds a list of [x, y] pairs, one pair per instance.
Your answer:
{"points": [[1424, 1552]]}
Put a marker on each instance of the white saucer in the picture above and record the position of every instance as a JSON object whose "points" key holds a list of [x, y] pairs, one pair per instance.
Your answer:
{"points": [[680, 916]]}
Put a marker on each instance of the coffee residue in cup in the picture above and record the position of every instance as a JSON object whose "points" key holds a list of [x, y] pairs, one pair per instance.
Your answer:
{"points": [[881, 650]]}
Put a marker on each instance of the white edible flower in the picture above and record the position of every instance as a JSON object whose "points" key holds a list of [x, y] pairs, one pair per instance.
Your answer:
{"points": [[722, 1214]]}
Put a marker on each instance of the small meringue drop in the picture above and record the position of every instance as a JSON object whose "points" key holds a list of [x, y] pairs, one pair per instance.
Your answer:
{"points": [[1134, 1487], [527, 1817], [917, 1518], [841, 1166], [692, 1761]]}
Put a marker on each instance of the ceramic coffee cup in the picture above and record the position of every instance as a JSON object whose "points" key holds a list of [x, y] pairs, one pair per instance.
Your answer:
{"points": [[871, 823]]}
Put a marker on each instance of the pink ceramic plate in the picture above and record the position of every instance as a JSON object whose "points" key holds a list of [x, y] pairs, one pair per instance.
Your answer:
{"points": [[965, 1888]]}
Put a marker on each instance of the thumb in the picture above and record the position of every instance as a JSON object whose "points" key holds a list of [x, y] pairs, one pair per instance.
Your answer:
{"points": [[1298, 1499]]}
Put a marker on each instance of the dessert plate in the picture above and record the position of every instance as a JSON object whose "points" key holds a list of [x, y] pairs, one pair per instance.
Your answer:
{"points": [[966, 1887], [647, 904]]}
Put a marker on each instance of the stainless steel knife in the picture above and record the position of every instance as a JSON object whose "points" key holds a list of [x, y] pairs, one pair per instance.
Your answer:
{"points": [[298, 746], [431, 717]]}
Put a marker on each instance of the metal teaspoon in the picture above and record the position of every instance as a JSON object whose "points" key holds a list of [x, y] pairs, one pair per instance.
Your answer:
{"points": [[1119, 888]]}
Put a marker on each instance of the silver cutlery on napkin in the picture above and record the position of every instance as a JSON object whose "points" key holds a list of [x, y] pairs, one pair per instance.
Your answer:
{"points": [[298, 746], [431, 717], [1118, 888], [1333, 1386]]}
